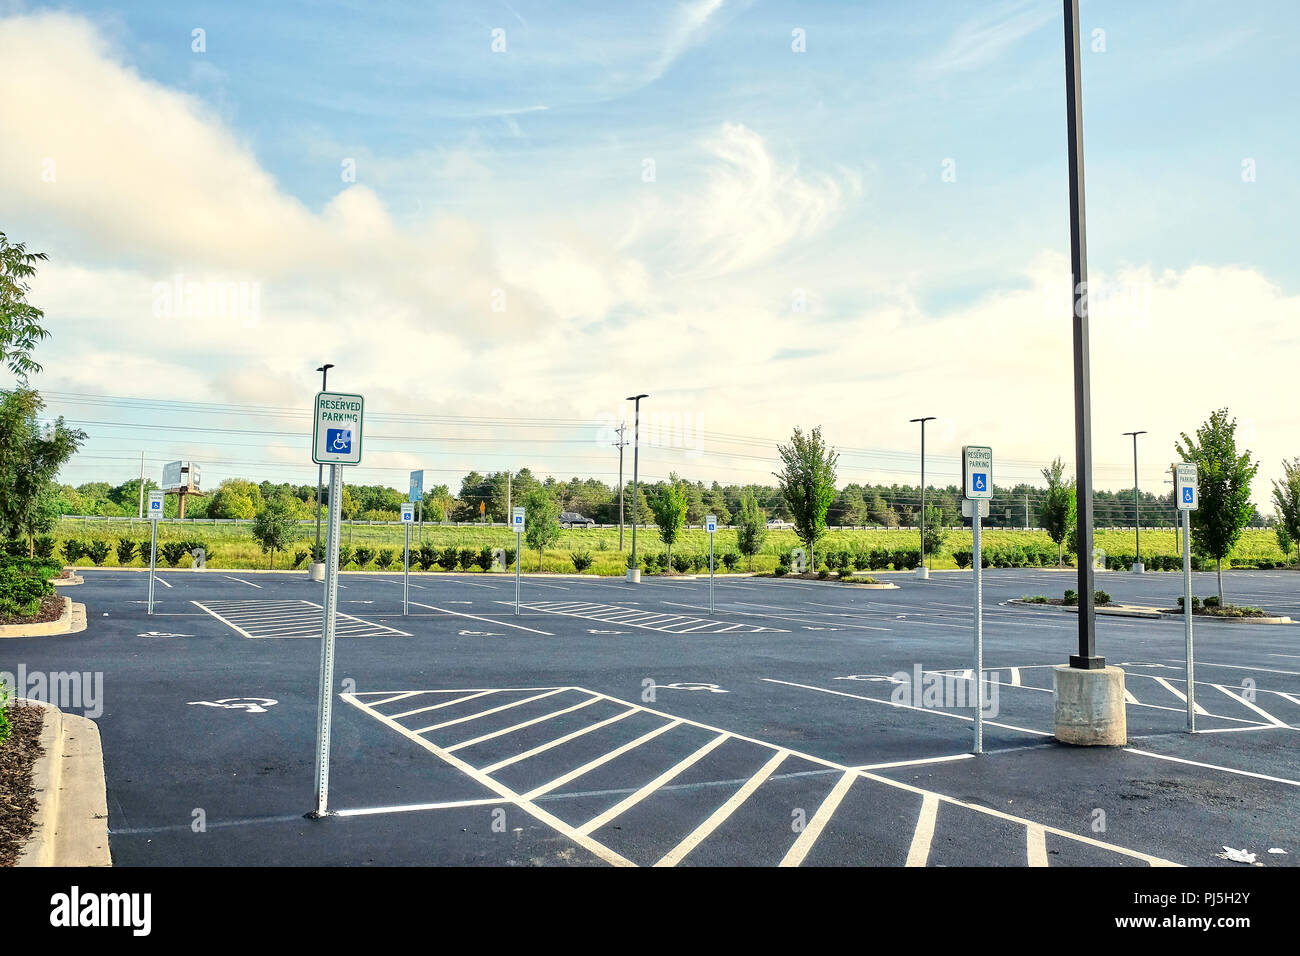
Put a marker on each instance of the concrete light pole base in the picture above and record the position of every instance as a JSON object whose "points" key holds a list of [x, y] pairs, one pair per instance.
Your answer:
{"points": [[634, 575], [316, 571], [1139, 567], [923, 573], [1089, 706]]}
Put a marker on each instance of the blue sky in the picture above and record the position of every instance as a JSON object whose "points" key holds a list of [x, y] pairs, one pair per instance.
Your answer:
{"points": [[778, 176]]}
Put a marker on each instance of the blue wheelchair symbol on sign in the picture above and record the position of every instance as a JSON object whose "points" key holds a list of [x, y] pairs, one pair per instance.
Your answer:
{"points": [[980, 481], [338, 441], [1187, 494]]}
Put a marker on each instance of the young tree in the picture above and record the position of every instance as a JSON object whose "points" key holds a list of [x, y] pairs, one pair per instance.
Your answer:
{"points": [[1286, 499], [20, 321], [669, 508], [1284, 539], [751, 527], [807, 482], [1057, 514], [274, 527], [1223, 487], [30, 457], [936, 529], [541, 521]]}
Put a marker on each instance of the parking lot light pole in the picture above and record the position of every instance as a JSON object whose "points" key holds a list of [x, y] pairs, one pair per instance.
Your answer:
{"points": [[923, 571], [1137, 515], [320, 473], [636, 449], [1087, 658]]}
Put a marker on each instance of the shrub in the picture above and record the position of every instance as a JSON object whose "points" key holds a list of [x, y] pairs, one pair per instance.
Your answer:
{"points": [[699, 562], [465, 558], [781, 570], [878, 559], [72, 550], [986, 559], [21, 591], [43, 547], [1035, 598], [145, 549], [963, 558], [786, 558], [730, 560], [125, 551], [1101, 597], [299, 557], [385, 558], [1212, 601], [1196, 603], [16, 548], [860, 560], [173, 551], [510, 557], [581, 561], [661, 559], [631, 565], [681, 563], [823, 574], [317, 553], [447, 558], [1071, 597], [425, 556], [345, 556], [484, 558], [364, 556]]}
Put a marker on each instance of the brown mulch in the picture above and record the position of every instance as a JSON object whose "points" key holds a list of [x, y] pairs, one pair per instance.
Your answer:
{"points": [[51, 609], [17, 798]]}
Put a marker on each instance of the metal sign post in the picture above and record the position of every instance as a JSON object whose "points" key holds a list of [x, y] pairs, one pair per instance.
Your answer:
{"points": [[711, 526], [336, 440], [977, 467], [1186, 494], [155, 512], [517, 516], [408, 515]]}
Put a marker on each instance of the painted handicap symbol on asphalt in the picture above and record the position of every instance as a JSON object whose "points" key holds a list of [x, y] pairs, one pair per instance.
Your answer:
{"points": [[162, 634], [692, 685], [251, 705]]}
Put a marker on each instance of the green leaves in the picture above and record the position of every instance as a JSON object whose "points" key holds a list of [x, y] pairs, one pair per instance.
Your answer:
{"points": [[1058, 513], [20, 321], [807, 481], [669, 508], [1223, 484]]}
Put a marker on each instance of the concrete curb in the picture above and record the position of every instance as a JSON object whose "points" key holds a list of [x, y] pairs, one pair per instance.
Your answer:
{"points": [[1131, 610], [71, 621], [72, 816]]}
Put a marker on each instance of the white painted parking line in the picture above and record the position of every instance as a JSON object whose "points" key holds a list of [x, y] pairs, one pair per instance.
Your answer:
{"points": [[1211, 766], [161, 581], [288, 619], [425, 710], [720, 815], [646, 620], [595, 823], [1036, 845], [814, 827], [847, 777], [923, 835], [488, 620], [1178, 693], [484, 713], [1256, 708], [521, 725], [242, 581], [600, 761]]}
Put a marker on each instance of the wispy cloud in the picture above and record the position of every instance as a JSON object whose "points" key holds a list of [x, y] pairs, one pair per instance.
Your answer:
{"points": [[990, 35]]}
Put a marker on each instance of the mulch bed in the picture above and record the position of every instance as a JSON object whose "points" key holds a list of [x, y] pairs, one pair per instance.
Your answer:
{"points": [[1227, 612], [17, 798], [51, 610], [1060, 602]]}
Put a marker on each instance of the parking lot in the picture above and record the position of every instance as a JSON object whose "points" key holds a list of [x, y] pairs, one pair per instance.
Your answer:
{"points": [[617, 724]]}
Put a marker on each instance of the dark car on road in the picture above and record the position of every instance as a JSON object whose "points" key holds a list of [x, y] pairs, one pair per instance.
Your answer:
{"points": [[571, 519]]}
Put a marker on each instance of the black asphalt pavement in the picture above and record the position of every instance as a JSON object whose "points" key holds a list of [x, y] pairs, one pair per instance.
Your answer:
{"points": [[611, 723]]}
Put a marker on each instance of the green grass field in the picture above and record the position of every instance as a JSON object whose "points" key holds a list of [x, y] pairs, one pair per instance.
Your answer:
{"points": [[233, 545]]}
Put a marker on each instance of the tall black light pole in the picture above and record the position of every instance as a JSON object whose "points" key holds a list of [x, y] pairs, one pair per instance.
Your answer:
{"points": [[320, 473], [1137, 516], [636, 448], [927, 418], [1087, 658]]}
